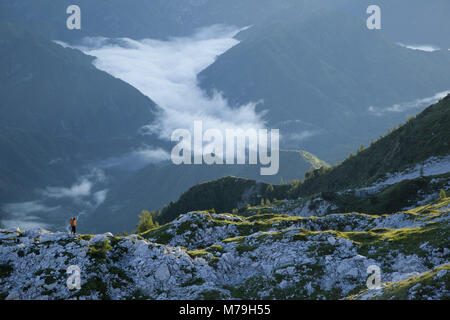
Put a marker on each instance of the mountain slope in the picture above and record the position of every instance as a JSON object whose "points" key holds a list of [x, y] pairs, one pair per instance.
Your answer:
{"points": [[137, 19], [319, 73], [407, 21], [59, 112], [421, 138], [66, 94], [141, 191], [406, 167], [224, 256]]}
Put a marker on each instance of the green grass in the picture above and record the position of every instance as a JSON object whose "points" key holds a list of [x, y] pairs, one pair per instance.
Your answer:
{"points": [[198, 253], [91, 286], [160, 235], [407, 240], [425, 286], [214, 249], [99, 251], [123, 277], [245, 248], [85, 237], [203, 253]]}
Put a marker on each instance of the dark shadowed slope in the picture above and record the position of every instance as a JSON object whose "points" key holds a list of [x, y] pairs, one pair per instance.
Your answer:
{"points": [[58, 111]]}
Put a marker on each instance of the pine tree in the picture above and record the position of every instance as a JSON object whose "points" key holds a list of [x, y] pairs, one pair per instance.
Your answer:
{"points": [[361, 148], [145, 222]]}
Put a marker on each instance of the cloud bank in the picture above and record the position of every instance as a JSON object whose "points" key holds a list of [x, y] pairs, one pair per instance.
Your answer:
{"points": [[166, 71], [57, 204], [137, 159], [83, 188], [425, 47], [406, 106], [26, 215]]}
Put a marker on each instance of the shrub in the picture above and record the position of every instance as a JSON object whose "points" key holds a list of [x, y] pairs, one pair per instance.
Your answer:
{"points": [[99, 250], [5, 270], [443, 194], [146, 222]]}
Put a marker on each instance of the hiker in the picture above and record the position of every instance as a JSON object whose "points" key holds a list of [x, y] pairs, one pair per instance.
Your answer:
{"points": [[73, 225]]}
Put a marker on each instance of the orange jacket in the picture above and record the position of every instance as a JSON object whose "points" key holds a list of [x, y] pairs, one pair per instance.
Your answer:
{"points": [[73, 222]]}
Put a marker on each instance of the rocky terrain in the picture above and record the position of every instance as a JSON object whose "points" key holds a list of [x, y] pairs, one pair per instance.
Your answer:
{"points": [[273, 254]]}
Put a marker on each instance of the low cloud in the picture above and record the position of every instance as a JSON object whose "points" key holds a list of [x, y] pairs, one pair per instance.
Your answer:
{"points": [[300, 136], [26, 208], [80, 189], [166, 71], [100, 197], [426, 48], [406, 106], [25, 223], [136, 160], [82, 197], [26, 215]]}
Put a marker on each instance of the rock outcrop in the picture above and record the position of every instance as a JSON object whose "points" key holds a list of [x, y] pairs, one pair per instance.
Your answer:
{"points": [[223, 256]]}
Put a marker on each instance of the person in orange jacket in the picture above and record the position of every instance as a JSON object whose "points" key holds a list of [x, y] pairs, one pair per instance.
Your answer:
{"points": [[73, 225]]}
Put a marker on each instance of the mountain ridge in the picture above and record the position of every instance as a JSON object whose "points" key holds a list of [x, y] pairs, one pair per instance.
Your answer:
{"points": [[272, 256]]}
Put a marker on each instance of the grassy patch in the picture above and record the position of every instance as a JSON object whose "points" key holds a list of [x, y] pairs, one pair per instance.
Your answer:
{"points": [[160, 235], [245, 248], [426, 286], [91, 286], [421, 287], [185, 227], [123, 277], [85, 237], [98, 251], [407, 240], [217, 248]]}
